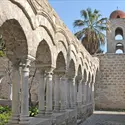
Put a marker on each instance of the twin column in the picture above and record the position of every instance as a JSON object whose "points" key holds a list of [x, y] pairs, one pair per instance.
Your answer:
{"points": [[20, 99], [60, 91], [45, 92]]}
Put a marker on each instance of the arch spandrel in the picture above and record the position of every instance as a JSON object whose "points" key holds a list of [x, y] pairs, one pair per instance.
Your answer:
{"points": [[60, 47], [60, 37], [60, 30]]}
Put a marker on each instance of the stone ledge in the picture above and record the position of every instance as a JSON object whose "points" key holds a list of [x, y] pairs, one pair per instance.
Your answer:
{"points": [[62, 118]]}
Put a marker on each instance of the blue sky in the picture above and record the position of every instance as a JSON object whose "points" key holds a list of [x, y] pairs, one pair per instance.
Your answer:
{"points": [[69, 10]]}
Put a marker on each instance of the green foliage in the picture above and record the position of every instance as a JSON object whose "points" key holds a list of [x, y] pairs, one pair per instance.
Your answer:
{"points": [[33, 111], [2, 47], [91, 30], [5, 113]]}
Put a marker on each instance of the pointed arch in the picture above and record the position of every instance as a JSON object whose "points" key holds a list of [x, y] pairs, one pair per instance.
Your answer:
{"points": [[43, 54], [60, 63], [119, 33], [15, 40]]}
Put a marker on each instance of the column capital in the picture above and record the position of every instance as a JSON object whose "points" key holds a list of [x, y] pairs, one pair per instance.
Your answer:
{"points": [[72, 78], [49, 70], [25, 64]]}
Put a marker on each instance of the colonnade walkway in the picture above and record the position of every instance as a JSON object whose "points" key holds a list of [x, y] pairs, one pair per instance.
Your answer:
{"points": [[106, 118]]}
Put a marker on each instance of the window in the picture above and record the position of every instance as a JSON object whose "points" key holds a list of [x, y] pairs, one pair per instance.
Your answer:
{"points": [[118, 16], [119, 48], [119, 34], [119, 51]]}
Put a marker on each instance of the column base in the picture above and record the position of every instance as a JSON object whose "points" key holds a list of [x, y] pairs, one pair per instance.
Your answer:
{"points": [[41, 114], [63, 109], [24, 120], [67, 106], [56, 109], [79, 103], [48, 113], [14, 120], [73, 106]]}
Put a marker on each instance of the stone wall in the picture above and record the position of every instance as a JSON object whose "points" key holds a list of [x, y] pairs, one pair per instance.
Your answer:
{"points": [[110, 84]]}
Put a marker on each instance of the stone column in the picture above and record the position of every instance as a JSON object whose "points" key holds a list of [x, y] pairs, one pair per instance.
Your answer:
{"points": [[66, 91], [72, 93], [41, 92], [83, 89], [15, 96], [24, 118], [68, 94], [63, 92], [91, 93], [93, 102], [79, 96], [85, 93], [87, 96], [56, 92], [49, 73], [10, 92]]}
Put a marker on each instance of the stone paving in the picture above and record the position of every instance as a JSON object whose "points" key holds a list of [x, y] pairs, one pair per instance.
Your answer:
{"points": [[106, 118]]}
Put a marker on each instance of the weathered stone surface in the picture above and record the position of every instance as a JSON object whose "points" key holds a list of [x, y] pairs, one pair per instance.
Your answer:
{"points": [[109, 87]]}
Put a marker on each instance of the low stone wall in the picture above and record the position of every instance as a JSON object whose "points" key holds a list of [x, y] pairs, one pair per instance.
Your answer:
{"points": [[70, 117], [5, 102]]}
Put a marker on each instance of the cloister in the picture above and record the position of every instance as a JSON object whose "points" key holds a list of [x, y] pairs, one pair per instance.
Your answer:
{"points": [[36, 37]]}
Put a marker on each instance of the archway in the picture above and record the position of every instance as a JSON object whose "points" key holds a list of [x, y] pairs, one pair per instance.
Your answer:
{"points": [[43, 55], [119, 48], [44, 74], [15, 41], [59, 87], [71, 88], [119, 34], [17, 51]]}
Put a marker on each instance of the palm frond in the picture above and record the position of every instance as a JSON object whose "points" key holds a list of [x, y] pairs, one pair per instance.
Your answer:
{"points": [[84, 14], [78, 23], [102, 20], [96, 11], [79, 34]]}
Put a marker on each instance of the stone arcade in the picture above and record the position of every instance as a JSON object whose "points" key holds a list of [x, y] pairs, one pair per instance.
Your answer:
{"points": [[36, 37]]}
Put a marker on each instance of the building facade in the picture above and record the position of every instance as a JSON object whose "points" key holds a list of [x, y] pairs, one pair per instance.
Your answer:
{"points": [[109, 87]]}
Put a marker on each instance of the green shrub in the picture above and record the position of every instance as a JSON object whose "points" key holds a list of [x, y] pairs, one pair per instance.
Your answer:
{"points": [[5, 113], [33, 111]]}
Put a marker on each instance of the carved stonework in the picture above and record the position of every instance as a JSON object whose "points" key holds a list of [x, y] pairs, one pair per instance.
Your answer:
{"points": [[40, 5]]}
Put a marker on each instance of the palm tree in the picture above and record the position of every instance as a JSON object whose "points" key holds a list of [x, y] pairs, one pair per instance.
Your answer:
{"points": [[92, 28]]}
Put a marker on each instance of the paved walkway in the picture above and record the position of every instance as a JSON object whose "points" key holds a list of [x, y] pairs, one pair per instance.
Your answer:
{"points": [[106, 118]]}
